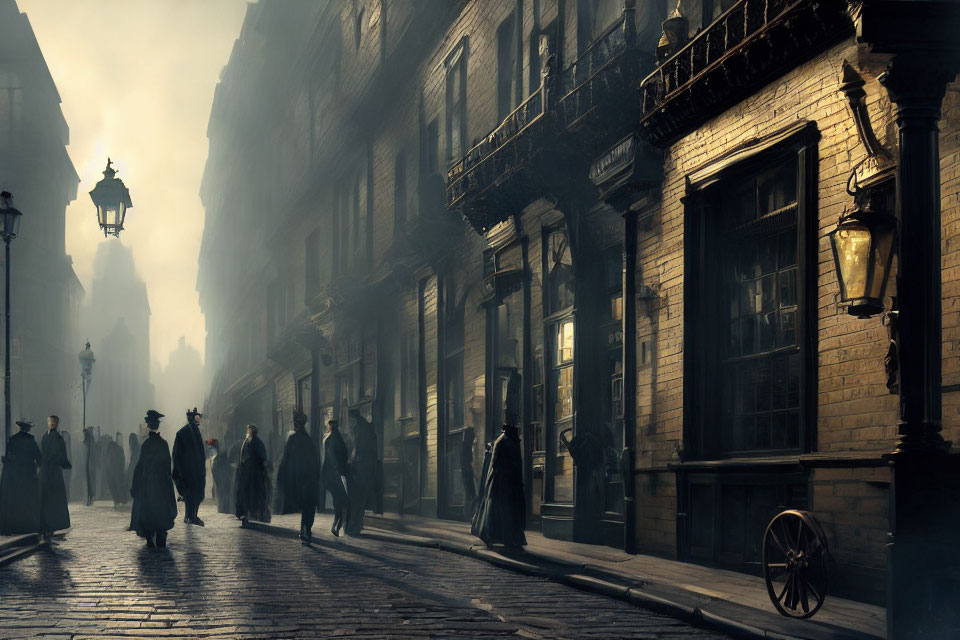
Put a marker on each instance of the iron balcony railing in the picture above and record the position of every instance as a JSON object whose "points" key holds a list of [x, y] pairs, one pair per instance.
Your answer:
{"points": [[745, 21], [571, 94], [597, 72], [482, 164]]}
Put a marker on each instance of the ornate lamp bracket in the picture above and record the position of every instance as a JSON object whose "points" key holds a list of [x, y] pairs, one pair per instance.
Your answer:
{"points": [[879, 165]]}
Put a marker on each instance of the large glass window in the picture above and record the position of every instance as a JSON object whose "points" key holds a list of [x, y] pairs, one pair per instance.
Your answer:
{"points": [[456, 103], [506, 67], [560, 329], [759, 364]]}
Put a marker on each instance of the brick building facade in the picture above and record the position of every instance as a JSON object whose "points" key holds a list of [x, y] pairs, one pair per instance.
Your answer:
{"points": [[408, 207]]}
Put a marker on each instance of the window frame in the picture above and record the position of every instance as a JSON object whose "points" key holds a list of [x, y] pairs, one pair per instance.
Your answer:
{"points": [[703, 333], [456, 72]]}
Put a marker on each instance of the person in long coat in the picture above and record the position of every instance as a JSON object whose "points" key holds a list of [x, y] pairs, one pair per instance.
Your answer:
{"points": [[190, 466], [134, 444], [361, 482], [467, 478], [54, 514], [478, 502], [298, 477], [252, 498], [333, 474], [154, 504], [90, 463], [19, 485], [222, 473], [503, 513], [67, 473], [116, 473]]}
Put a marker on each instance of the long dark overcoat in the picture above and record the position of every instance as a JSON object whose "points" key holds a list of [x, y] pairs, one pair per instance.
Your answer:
{"points": [[362, 480], [334, 466], [190, 464], [19, 486], [298, 477], [154, 504], [222, 472], [503, 515], [134, 456], [116, 473], [54, 514], [252, 499]]}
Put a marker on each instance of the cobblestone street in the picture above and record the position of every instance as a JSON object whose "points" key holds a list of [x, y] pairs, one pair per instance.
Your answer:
{"points": [[224, 581]]}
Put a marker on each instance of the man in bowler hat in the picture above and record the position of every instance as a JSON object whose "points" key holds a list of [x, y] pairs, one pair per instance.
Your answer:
{"points": [[154, 505], [189, 466]]}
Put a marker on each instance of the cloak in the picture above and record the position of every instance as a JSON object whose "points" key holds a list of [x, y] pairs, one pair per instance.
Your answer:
{"points": [[222, 472], [134, 456], [54, 514], [19, 486], [362, 481], [190, 464], [503, 514], [116, 476], [252, 498], [298, 477], [154, 505]]}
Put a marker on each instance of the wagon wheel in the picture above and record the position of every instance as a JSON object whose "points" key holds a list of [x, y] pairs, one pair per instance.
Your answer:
{"points": [[795, 568]]}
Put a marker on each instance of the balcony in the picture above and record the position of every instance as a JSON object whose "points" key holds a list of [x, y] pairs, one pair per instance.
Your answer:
{"points": [[583, 104], [749, 45]]}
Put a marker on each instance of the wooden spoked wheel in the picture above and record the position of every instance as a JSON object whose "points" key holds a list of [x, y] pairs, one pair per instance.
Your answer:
{"points": [[795, 558]]}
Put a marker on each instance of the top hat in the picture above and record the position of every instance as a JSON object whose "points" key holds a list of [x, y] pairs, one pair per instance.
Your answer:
{"points": [[25, 424], [153, 417], [299, 417]]}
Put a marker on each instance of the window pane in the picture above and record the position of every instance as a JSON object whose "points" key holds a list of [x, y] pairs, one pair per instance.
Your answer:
{"points": [[788, 288], [564, 389]]}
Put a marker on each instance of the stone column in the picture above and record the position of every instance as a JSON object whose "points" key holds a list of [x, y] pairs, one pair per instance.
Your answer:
{"points": [[923, 572]]}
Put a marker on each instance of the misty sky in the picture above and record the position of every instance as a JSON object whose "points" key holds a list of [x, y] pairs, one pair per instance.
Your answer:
{"points": [[136, 80]]}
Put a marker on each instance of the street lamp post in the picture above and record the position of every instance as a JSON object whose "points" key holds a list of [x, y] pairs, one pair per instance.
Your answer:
{"points": [[86, 373], [9, 225]]}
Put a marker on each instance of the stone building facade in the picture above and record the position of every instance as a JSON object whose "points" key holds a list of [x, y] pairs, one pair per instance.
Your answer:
{"points": [[45, 291], [625, 215]]}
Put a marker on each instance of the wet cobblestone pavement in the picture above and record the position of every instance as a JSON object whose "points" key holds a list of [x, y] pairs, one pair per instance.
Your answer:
{"points": [[221, 581]]}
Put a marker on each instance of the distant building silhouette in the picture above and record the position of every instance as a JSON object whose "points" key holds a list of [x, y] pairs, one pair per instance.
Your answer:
{"points": [[45, 291]]}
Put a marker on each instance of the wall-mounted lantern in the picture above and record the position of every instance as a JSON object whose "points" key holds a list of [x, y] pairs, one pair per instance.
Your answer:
{"points": [[863, 246]]}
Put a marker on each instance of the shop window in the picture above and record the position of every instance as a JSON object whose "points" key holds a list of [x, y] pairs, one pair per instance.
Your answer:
{"points": [[751, 312], [560, 272]]}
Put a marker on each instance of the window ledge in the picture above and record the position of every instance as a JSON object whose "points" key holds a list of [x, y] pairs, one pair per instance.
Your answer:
{"points": [[871, 458]]}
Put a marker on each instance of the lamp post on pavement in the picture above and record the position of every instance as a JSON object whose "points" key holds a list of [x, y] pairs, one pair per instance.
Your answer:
{"points": [[9, 225], [86, 373]]}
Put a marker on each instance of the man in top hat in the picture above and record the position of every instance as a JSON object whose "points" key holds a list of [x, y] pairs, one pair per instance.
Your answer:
{"points": [[19, 486], [154, 505], [334, 474], [190, 466]]}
